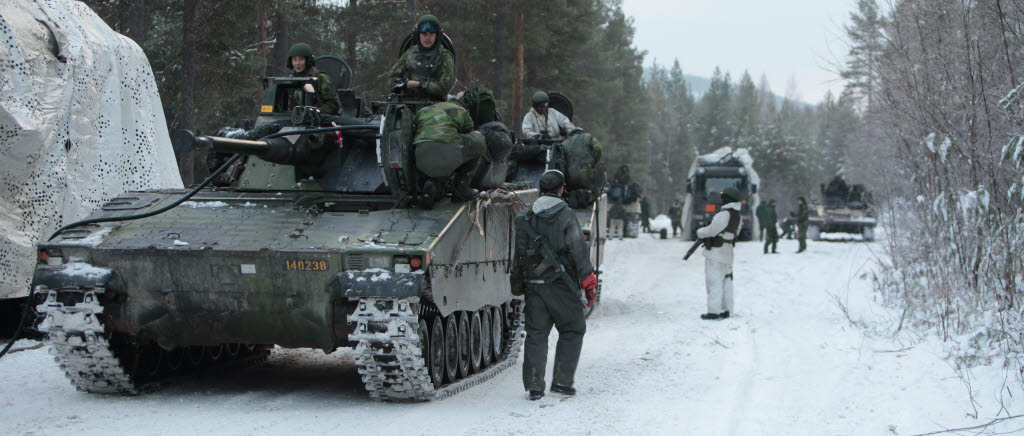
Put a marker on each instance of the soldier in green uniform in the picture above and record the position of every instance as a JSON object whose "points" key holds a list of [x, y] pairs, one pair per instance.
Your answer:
{"points": [[645, 214], [427, 69], [446, 146], [769, 222], [303, 64], [553, 286], [803, 214], [760, 212], [675, 214]]}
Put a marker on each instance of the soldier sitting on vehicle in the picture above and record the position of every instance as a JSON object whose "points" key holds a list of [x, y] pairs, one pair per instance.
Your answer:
{"points": [[303, 64], [427, 69], [543, 122], [447, 150]]}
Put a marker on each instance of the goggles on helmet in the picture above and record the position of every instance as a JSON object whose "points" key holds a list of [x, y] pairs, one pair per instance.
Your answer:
{"points": [[428, 27]]}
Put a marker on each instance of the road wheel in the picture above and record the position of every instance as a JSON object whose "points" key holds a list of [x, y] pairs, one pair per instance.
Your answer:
{"points": [[194, 355], [464, 345], [486, 351], [475, 341], [423, 331], [497, 333], [175, 359], [437, 354], [451, 348]]}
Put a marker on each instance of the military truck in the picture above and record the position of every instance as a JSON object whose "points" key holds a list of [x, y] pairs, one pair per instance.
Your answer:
{"points": [[299, 239], [844, 209], [709, 175], [532, 157]]}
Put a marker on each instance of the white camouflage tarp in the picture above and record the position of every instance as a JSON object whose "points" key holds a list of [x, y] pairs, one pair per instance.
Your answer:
{"points": [[80, 123]]}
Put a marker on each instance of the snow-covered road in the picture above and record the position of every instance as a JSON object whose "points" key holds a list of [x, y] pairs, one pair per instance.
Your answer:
{"points": [[788, 362]]}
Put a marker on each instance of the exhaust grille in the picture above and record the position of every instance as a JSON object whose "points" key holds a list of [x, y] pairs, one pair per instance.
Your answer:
{"points": [[355, 262]]}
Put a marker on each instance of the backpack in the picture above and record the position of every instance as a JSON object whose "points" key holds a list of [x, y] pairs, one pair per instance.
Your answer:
{"points": [[579, 161], [616, 192], [480, 103]]}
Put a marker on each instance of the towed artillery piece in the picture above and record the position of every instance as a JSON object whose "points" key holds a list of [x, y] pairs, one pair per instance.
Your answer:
{"points": [[304, 238]]}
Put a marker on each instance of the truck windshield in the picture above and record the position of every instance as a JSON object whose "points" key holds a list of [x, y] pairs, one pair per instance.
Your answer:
{"points": [[713, 186]]}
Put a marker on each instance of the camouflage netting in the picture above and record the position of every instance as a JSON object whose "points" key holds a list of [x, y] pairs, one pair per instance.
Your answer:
{"points": [[80, 123]]}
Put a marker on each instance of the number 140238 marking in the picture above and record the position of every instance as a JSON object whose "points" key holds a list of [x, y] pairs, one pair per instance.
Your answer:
{"points": [[306, 265]]}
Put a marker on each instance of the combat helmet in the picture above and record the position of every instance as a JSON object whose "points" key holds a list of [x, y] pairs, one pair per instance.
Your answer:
{"points": [[304, 50], [428, 23], [731, 194], [540, 98], [551, 180]]}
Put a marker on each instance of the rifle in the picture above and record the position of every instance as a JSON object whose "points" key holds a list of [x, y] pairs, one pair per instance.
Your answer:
{"points": [[693, 248], [551, 259]]}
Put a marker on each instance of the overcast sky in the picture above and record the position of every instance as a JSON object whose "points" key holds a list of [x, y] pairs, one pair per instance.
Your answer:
{"points": [[784, 39]]}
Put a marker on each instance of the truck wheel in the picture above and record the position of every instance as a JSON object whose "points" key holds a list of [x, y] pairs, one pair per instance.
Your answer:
{"points": [[868, 233], [814, 232]]}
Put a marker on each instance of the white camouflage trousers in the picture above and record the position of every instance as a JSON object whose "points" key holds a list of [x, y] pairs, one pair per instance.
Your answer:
{"points": [[718, 278], [616, 228]]}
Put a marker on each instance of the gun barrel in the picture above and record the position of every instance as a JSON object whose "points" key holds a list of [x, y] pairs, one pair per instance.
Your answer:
{"points": [[232, 145]]}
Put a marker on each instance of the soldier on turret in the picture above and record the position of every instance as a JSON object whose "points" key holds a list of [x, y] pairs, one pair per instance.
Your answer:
{"points": [[427, 69], [303, 64], [543, 122]]}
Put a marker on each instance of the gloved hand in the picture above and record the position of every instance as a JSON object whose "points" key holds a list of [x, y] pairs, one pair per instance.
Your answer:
{"points": [[591, 297], [589, 283], [575, 131], [399, 86]]}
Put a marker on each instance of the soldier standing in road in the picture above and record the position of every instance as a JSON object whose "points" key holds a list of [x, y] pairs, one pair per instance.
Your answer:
{"points": [[303, 64], [426, 70], [675, 213], [761, 221], [803, 214], [769, 222], [719, 237], [645, 214], [551, 257]]}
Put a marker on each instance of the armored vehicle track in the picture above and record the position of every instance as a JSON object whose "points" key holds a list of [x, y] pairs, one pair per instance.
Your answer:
{"points": [[408, 352], [98, 361]]}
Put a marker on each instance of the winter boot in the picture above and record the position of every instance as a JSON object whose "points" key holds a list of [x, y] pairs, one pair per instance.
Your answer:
{"points": [[564, 390], [463, 192], [723, 315], [425, 198], [710, 316], [536, 395]]}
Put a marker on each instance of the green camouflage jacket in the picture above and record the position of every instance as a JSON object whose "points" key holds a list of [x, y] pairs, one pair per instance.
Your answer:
{"points": [[803, 214], [770, 216], [433, 68], [330, 103], [441, 122]]}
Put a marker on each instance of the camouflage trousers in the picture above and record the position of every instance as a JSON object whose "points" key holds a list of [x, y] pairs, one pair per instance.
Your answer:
{"points": [[547, 305]]}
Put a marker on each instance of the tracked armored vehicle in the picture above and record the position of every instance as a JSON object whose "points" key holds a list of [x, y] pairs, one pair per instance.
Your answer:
{"points": [[844, 209], [304, 239]]}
